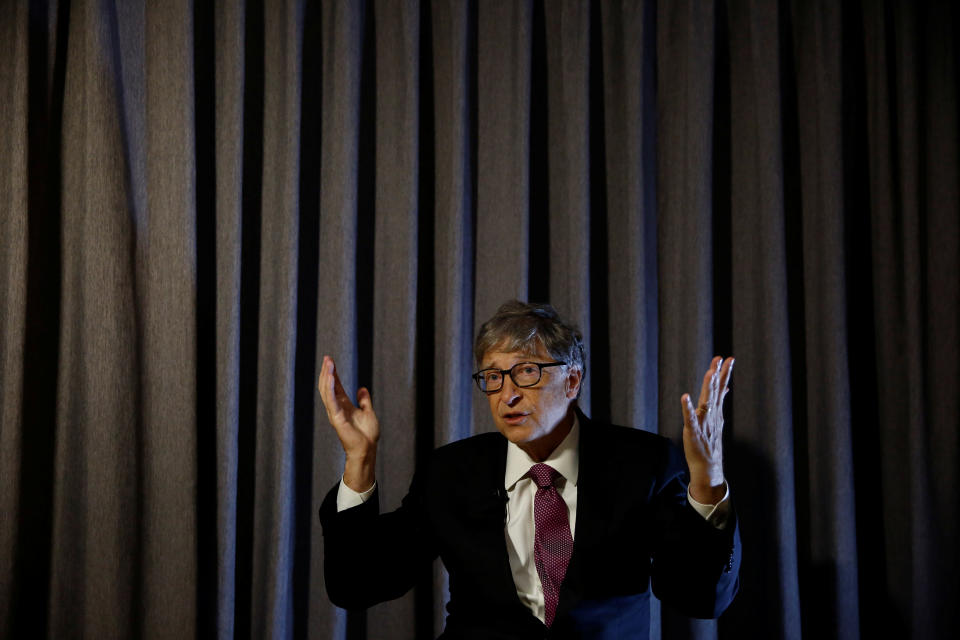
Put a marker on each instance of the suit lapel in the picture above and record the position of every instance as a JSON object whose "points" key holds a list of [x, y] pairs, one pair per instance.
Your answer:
{"points": [[488, 510]]}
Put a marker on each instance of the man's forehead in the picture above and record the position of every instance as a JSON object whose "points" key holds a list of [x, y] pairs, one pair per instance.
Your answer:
{"points": [[501, 355]]}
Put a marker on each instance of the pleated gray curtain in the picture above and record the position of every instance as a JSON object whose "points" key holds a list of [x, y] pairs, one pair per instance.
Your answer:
{"points": [[200, 200]]}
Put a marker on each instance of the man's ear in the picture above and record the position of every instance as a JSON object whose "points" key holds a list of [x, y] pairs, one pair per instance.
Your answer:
{"points": [[573, 381]]}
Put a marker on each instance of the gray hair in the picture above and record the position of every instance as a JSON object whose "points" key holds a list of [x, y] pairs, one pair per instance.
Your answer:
{"points": [[521, 326]]}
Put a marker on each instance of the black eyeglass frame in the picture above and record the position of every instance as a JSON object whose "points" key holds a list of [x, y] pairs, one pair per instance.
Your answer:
{"points": [[478, 376]]}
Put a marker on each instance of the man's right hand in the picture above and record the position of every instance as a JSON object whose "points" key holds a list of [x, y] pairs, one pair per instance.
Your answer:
{"points": [[356, 426]]}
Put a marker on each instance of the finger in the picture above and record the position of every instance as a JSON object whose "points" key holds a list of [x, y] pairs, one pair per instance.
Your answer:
{"points": [[327, 391], [709, 410], [725, 375], [690, 418], [707, 383], [714, 383], [324, 381], [339, 401], [705, 387]]}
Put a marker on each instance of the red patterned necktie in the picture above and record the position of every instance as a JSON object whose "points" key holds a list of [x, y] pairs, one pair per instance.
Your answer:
{"points": [[552, 544]]}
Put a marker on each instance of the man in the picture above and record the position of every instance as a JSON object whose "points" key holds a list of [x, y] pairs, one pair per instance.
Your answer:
{"points": [[557, 526]]}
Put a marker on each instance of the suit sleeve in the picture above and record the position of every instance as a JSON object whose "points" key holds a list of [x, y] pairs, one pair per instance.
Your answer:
{"points": [[371, 557], [695, 566]]}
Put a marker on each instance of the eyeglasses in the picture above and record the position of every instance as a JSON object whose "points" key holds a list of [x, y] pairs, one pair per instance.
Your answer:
{"points": [[523, 374]]}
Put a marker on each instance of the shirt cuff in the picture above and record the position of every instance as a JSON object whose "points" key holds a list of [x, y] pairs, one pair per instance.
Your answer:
{"points": [[348, 498], [716, 514]]}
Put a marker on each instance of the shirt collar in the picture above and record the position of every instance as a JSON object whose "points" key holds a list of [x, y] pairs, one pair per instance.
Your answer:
{"points": [[565, 459]]}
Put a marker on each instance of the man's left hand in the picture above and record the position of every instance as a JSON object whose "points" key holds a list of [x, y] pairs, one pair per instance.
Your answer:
{"points": [[703, 433]]}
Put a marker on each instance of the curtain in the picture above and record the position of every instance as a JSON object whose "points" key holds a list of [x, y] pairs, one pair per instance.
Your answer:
{"points": [[199, 200]]}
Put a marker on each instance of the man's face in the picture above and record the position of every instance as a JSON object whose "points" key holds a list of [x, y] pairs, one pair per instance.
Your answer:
{"points": [[528, 416]]}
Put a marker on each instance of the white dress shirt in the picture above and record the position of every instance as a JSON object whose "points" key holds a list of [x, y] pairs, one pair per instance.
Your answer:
{"points": [[519, 528]]}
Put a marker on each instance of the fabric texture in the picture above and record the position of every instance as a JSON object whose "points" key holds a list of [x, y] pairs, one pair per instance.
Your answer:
{"points": [[198, 200]]}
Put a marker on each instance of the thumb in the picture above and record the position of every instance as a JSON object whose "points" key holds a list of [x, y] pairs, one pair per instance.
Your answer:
{"points": [[363, 399]]}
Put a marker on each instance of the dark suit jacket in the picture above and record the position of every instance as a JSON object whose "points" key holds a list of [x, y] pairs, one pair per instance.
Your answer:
{"points": [[634, 527]]}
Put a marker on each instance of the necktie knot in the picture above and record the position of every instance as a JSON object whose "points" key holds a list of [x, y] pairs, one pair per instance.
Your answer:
{"points": [[544, 475]]}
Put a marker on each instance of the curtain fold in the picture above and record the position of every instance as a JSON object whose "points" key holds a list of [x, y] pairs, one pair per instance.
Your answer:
{"points": [[564, 214], [274, 491], [448, 120], [826, 505], [763, 424], [221, 393], [14, 231], [345, 101], [939, 329], [199, 201], [393, 253], [687, 234]]}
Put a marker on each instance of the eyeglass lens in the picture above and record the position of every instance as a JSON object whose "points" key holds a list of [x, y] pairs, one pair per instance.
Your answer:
{"points": [[524, 374]]}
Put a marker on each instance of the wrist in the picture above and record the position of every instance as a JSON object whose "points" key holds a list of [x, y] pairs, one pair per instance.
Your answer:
{"points": [[708, 486], [708, 493], [359, 471]]}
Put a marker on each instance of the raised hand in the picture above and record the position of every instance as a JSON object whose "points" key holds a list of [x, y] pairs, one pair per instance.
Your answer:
{"points": [[356, 426], [703, 433]]}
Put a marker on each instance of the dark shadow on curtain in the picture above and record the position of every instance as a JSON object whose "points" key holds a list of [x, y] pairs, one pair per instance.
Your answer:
{"points": [[722, 241], [600, 301], [817, 585], [538, 155], [31, 593], [204, 62], [862, 356], [749, 467], [366, 228], [424, 402], [308, 259], [250, 250], [722, 248], [366, 199]]}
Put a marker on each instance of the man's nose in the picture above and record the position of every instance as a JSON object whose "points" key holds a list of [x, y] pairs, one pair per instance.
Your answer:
{"points": [[509, 392]]}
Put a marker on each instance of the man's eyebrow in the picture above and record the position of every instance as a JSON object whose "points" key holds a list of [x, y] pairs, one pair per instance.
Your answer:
{"points": [[523, 357]]}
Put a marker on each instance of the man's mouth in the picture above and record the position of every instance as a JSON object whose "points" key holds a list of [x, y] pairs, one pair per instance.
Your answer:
{"points": [[514, 417]]}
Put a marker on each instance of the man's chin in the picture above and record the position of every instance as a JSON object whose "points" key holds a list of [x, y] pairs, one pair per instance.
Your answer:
{"points": [[517, 434]]}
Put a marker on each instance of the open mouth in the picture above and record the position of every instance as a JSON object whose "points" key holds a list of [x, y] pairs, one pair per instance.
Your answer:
{"points": [[515, 417]]}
